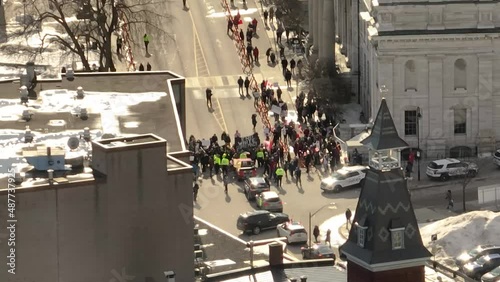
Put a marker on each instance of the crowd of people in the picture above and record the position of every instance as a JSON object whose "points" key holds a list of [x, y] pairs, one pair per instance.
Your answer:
{"points": [[288, 145]]}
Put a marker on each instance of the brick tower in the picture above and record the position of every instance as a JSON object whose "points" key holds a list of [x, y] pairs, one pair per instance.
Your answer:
{"points": [[384, 243]]}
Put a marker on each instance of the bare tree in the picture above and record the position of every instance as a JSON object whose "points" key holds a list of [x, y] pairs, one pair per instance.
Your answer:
{"points": [[293, 14], [89, 22]]}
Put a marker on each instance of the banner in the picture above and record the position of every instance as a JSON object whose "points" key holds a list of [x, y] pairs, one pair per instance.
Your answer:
{"points": [[249, 142], [276, 109]]}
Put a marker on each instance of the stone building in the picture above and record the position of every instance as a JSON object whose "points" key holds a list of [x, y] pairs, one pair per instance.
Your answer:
{"points": [[126, 214], [434, 62]]}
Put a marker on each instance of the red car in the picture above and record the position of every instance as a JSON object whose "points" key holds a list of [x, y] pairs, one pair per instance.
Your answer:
{"points": [[244, 168]]}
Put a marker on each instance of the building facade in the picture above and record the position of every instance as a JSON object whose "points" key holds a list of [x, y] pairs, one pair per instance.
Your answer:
{"points": [[434, 62]]}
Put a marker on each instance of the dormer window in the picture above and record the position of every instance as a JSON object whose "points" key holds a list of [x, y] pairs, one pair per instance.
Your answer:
{"points": [[361, 227], [397, 234]]}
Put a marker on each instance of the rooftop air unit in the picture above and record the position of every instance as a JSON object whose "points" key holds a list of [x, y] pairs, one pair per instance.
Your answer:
{"points": [[80, 93]]}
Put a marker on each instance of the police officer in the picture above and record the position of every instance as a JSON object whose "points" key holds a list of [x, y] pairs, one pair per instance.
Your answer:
{"points": [[260, 157], [243, 155], [224, 164], [217, 162], [279, 174]]}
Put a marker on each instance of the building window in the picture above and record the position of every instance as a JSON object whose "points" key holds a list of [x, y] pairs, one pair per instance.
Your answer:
{"points": [[361, 235], [397, 238], [410, 123], [460, 74], [460, 121], [410, 76]]}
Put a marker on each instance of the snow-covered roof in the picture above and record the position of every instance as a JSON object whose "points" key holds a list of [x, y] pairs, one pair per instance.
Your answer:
{"points": [[56, 115]]}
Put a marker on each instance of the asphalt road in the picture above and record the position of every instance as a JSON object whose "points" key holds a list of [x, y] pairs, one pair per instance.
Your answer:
{"points": [[197, 47]]}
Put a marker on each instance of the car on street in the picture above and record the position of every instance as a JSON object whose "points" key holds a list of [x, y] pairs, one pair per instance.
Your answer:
{"points": [[476, 253], [444, 169], [256, 221], [492, 276], [317, 251], [244, 168], [254, 186], [293, 231], [496, 158], [344, 177], [476, 269], [269, 201]]}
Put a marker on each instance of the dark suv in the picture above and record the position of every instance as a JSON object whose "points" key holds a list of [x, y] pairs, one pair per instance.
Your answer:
{"points": [[256, 221], [476, 253], [256, 185]]}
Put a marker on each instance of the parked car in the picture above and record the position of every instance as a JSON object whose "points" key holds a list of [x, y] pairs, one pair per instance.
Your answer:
{"points": [[476, 253], [257, 221], [344, 177], [269, 201], [254, 186], [496, 158], [317, 251], [293, 231], [482, 265], [492, 276], [444, 169], [244, 168]]}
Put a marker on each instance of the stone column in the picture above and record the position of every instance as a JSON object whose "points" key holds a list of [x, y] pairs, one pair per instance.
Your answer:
{"points": [[311, 15], [326, 49], [432, 119], [485, 106], [318, 23], [353, 51], [344, 26]]}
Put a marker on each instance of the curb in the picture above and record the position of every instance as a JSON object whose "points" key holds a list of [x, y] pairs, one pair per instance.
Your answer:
{"points": [[441, 184], [341, 230]]}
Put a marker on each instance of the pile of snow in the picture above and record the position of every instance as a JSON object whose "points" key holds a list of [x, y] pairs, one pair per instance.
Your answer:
{"points": [[461, 233]]}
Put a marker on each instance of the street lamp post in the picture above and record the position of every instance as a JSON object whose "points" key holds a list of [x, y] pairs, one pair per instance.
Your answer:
{"points": [[331, 205], [419, 116]]}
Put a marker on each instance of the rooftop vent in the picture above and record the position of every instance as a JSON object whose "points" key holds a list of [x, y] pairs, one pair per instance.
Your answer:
{"points": [[27, 115], [51, 174], [303, 278], [23, 93], [84, 114], [70, 74], [28, 136], [80, 93], [86, 134]]}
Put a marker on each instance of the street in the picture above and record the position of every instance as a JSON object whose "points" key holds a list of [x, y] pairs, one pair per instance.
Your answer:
{"points": [[198, 48]]}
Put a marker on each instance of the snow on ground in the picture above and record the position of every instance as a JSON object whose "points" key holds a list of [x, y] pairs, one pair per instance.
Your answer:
{"points": [[61, 100], [461, 233]]}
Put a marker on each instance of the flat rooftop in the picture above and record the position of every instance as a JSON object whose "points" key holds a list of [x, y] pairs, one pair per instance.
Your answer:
{"points": [[117, 105]]}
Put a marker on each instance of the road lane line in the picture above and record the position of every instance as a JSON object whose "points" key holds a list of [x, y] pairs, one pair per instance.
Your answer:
{"points": [[224, 126]]}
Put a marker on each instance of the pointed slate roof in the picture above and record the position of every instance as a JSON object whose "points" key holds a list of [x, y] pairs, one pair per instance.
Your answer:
{"points": [[384, 134], [384, 204]]}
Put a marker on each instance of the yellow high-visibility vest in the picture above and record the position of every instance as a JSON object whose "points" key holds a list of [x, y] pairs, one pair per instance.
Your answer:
{"points": [[243, 156], [280, 172], [260, 155], [216, 160], [224, 161]]}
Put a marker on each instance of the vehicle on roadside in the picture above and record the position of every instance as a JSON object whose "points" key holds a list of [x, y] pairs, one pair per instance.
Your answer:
{"points": [[293, 231], [317, 251], [269, 201], [244, 168], [476, 253], [256, 221], [476, 269], [444, 169], [496, 158], [254, 186], [492, 276], [344, 177]]}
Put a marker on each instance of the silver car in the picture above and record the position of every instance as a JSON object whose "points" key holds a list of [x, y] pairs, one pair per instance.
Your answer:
{"points": [[269, 201]]}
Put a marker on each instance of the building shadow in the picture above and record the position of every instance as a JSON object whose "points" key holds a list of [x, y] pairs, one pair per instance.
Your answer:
{"points": [[3, 25]]}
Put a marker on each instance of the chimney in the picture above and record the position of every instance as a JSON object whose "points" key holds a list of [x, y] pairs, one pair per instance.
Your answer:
{"points": [[51, 174], [303, 278], [170, 275], [48, 152]]}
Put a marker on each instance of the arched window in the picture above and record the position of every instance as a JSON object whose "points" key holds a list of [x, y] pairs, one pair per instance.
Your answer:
{"points": [[460, 74], [410, 76]]}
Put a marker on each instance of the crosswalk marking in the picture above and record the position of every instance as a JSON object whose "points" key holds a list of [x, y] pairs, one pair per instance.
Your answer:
{"points": [[217, 81]]}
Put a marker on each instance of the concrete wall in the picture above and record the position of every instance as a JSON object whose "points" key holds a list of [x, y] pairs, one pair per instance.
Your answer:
{"points": [[138, 223]]}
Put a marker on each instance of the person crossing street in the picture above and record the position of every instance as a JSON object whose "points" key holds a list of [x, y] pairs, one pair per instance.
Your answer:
{"points": [[298, 174], [209, 94], [240, 85], [279, 174], [254, 121], [256, 54], [247, 84]]}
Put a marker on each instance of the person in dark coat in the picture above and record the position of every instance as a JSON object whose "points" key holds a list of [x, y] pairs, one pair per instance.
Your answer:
{"points": [[242, 36], [240, 85], [208, 93], [268, 53], [288, 78], [292, 66], [316, 233], [247, 84], [284, 65], [254, 121], [196, 187], [250, 53]]}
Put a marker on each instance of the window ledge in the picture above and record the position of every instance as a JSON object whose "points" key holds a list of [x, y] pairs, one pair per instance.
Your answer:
{"points": [[460, 134], [460, 90], [411, 90]]}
